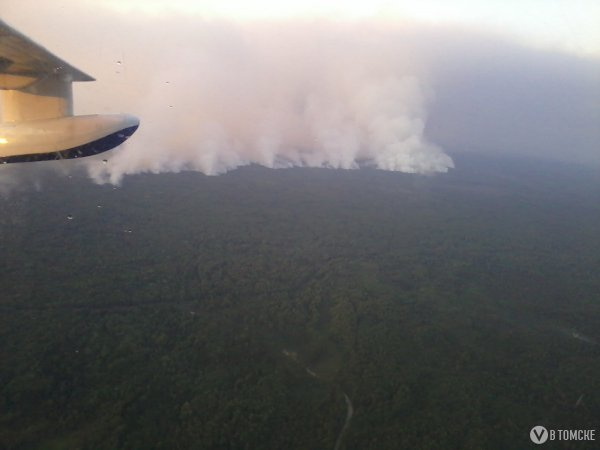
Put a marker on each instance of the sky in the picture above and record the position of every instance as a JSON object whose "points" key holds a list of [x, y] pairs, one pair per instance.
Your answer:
{"points": [[571, 25], [399, 85]]}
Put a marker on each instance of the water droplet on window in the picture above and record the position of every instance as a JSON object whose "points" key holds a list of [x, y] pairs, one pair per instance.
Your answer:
{"points": [[99, 206], [69, 217], [119, 62], [105, 161]]}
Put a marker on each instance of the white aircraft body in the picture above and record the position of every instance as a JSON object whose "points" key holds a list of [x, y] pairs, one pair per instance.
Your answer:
{"points": [[36, 107]]}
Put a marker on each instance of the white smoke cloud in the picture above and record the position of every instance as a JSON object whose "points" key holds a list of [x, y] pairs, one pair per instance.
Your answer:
{"points": [[215, 94], [317, 95]]}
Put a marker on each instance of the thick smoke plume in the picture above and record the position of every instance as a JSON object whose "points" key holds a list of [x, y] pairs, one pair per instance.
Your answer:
{"points": [[215, 96]]}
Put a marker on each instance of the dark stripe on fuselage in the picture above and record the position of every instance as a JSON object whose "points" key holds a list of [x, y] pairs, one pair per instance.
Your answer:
{"points": [[92, 148]]}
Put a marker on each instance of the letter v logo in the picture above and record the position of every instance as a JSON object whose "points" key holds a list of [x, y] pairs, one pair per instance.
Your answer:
{"points": [[538, 434]]}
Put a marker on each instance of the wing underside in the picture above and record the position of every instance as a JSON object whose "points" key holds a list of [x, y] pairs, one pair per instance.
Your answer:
{"points": [[21, 57], [34, 83]]}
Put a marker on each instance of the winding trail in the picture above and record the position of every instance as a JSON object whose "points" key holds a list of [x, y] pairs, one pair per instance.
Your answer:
{"points": [[349, 415], [350, 409]]}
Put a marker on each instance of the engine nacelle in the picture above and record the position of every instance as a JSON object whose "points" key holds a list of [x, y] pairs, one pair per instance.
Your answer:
{"points": [[63, 137]]}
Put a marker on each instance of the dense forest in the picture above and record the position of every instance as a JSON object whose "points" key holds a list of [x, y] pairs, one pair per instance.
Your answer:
{"points": [[183, 311]]}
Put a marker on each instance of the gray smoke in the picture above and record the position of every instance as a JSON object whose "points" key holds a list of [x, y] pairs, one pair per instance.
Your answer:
{"points": [[213, 95], [292, 94]]}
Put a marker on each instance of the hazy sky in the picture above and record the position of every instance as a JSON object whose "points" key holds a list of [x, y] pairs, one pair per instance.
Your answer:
{"points": [[400, 84], [565, 24]]}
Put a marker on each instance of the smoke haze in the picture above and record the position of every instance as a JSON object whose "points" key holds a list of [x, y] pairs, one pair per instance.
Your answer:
{"points": [[279, 96], [216, 94]]}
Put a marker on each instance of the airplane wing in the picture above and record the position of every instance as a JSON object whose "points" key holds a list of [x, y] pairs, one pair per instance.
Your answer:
{"points": [[22, 60], [36, 107], [34, 83]]}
